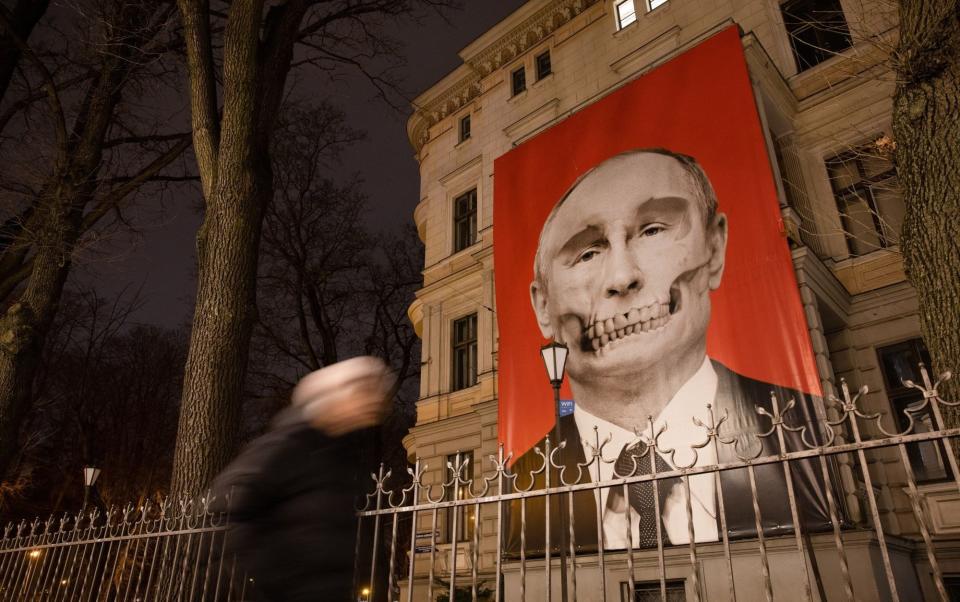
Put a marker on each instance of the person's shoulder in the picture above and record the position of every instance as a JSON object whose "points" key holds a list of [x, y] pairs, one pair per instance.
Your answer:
{"points": [[748, 393]]}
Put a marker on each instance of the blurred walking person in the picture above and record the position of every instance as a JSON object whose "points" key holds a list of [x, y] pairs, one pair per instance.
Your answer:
{"points": [[292, 493]]}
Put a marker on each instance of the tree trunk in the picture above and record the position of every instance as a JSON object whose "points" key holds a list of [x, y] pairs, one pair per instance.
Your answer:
{"points": [[236, 182], [58, 221], [228, 246], [24, 326], [926, 127]]}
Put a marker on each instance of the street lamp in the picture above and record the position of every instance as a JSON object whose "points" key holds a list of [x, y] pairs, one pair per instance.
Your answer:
{"points": [[90, 476], [365, 595], [554, 356], [555, 360]]}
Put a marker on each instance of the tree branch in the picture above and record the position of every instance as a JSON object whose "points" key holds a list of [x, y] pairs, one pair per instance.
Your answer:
{"points": [[115, 196], [56, 107], [141, 139], [26, 101], [205, 119]]}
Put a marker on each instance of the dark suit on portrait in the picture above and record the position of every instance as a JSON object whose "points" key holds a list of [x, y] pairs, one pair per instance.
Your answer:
{"points": [[738, 396]]}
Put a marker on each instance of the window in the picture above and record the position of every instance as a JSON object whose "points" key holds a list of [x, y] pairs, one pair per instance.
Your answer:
{"points": [[464, 128], [518, 81], [464, 220], [626, 13], [952, 584], [626, 10], [543, 65], [649, 591], [464, 514], [868, 199], [464, 352], [817, 30], [899, 363]]}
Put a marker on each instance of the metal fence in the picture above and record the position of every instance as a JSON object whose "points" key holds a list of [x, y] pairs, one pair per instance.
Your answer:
{"points": [[396, 561], [177, 550], [159, 551]]}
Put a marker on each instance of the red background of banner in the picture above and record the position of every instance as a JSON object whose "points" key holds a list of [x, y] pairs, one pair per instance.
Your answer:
{"points": [[700, 103]]}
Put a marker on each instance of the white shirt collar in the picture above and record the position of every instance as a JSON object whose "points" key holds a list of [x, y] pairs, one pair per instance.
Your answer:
{"points": [[688, 402]]}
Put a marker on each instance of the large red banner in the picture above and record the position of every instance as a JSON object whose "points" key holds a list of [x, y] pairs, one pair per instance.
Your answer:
{"points": [[610, 175]]}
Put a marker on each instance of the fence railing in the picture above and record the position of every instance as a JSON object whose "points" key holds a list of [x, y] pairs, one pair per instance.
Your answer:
{"points": [[412, 544], [422, 563], [158, 551]]}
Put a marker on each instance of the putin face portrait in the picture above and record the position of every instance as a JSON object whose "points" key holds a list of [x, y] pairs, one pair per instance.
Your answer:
{"points": [[623, 275]]}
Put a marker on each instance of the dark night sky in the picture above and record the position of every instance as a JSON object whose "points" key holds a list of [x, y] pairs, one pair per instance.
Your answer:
{"points": [[161, 263]]}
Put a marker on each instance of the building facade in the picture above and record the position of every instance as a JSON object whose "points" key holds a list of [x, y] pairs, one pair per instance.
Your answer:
{"points": [[823, 91]]}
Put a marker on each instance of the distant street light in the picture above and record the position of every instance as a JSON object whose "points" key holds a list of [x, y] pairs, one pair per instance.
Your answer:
{"points": [[555, 361], [90, 476]]}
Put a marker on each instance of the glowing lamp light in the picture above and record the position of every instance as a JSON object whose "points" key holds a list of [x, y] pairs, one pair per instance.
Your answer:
{"points": [[555, 360], [90, 475]]}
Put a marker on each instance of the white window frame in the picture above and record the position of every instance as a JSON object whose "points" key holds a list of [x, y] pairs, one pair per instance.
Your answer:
{"points": [[648, 6], [619, 18]]}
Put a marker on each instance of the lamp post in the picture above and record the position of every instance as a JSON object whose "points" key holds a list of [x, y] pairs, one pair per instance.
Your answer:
{"points": [[90, 476], [555, 360]]}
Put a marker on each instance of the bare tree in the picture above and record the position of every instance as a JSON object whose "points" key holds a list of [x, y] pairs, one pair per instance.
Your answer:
{"points": [[314, 240], [106, 395], [393, 275], [329, 287], [74, 147], [919, 44], [232, 143], [926, 127]]}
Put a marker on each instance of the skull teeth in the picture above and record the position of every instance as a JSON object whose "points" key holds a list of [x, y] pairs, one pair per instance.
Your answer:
{"points": [[636, 321]]}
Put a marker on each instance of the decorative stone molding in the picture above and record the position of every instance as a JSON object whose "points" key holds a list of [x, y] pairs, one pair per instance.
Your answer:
{"points": [[415, 313], [515, 42]]}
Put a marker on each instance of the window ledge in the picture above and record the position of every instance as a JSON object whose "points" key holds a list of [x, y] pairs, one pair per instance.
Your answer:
{"points": [[822, 65], [542, 81], [453, 391], [846, 67], [464, 251], [625, 28], [463, 142], [874, 255], [519, 97], [874, 270]]}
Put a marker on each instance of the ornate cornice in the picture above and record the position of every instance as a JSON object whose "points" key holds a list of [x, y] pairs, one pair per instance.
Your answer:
{"points": [[512, 44]]}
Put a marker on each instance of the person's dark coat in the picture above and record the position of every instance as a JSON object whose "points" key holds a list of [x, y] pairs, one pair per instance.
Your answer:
{"points": [[292, 511]]}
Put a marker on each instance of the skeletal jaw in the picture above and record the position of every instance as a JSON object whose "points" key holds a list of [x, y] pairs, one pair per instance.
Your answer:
{"points": [[635, 322]]}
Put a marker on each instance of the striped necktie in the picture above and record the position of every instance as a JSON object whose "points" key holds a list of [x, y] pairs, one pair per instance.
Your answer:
{"points": [[641, 495]]}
